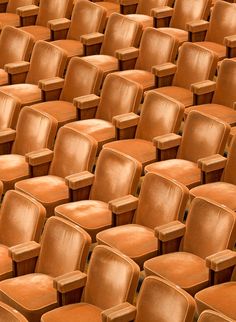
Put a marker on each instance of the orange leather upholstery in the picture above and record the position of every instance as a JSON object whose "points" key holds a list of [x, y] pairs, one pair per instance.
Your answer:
{"points": [[212, 316], [8, 314]]}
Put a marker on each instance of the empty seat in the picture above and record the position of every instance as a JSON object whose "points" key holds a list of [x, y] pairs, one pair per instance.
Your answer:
{"points": [[223, 96], [47, 10], [157, 300], [8, 314], [34, 131], [21, 220], [32, 292], [159, 115], [81, 79], [87, 17], [210, 229], [220, 32], [212, 316], [73, 153], [109, 271], [46, 61], [15, 45], [116, 175], [176, 80], [161, 200], [179, 156]]}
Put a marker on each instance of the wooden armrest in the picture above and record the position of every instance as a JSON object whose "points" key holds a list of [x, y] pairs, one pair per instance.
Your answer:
{"points": [[124, 121], [162, 12], [212, 163], [221, 260], [39, 157], [24, 251], [86, 106], [17, 68], [70, 281], [166, 69], [167, 141], [92, 39], [51, 84], [127, 53], [230, 41], [7, 135], [79, 180], [197, 26], [120, 313], [123, 204], [59, 24], [203, 87], [27, 11], [170, 231], [3, 1]]}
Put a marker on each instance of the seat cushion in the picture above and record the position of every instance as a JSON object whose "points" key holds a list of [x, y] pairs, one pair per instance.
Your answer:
{"points": [[183, 171], [32, 295], [136, 241], [64, 112], [50, 191], [7, 18], [5, 263], [221, 192], [183, 269], [38, 32], [3, 77], [146, 21], [72, 47], [181, 94], [219, 298], [222, 112], [92, 215], [79, 312], [179, 34], [142, 77], [28, 94], [141, 150], [220, 50], [108, 64], [13, 168]]}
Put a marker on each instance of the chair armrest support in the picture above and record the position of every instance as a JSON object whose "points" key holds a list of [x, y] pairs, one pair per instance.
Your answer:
{"points": [[79, 185], [51, 87], [123, 208], [164, 74], [126, 125], [127, 57], [86, 106], [7, 135], [17, 71], [39, 161], [28, 14], [161, 16], [124, 312], [203, 92], [230, 43], [167, 146], [211, 168], [59, 28], [197, 30], [92, 43]]}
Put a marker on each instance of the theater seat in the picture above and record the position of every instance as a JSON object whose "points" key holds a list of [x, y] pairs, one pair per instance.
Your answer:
{"points": [[161, 200], [210, 229], [159, 115], [116, 175], [173, 20], [212, 316], [155, 299], [8, 314], [109, 271], [176, 80], [46, 61], [21, 220], [81, 79], [15, 46], [32, 292], [34, 131], [47, 10], [179, 156]]}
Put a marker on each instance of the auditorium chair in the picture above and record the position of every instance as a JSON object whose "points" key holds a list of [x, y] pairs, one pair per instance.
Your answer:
{"points": [[178, 157], [161, 200], [212, 316], [15, 46], [87, 18], [159, 115], [111, 280], [63, 249], [8, 314], [220, 96], [34, 131], [73, 153], [156, 48], [210, 229], [81, 79], [121, 32], [218, 35], [8, 15], [223, 172], [220, 297], [21, 220], [46, 61], [42, 14], [158, 300], [174, 20], [194, 64], [95, 114], [116, 175]]}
